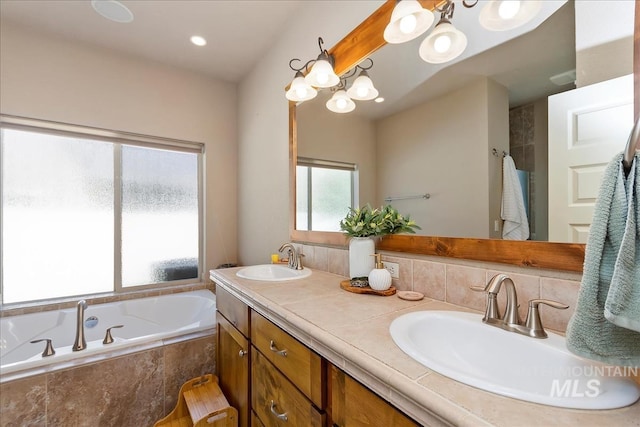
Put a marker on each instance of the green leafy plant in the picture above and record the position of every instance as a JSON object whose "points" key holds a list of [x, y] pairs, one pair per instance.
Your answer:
{"points": [[369, 222]]}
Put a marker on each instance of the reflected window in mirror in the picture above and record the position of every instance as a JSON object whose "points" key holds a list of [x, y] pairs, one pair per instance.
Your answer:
{"points": [[324, 192]]}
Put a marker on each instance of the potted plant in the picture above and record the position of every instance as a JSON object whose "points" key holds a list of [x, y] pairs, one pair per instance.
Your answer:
{"points": [[362, 225]]}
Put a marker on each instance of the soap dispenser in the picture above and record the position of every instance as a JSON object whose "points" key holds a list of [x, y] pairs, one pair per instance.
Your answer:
{"points": [[379, 278]]}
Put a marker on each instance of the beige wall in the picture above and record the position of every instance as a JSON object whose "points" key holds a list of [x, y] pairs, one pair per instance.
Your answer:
{"points": [[325, 135], [263, 135], [48, 78], [426, 150]]}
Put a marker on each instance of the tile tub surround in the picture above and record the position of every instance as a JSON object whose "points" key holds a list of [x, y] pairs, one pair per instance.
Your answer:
{"points": [[448, 280], [352, 332], [132, 390]]}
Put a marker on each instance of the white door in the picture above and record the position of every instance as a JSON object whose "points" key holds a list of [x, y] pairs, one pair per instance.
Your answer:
{"points": [[587, 127]]}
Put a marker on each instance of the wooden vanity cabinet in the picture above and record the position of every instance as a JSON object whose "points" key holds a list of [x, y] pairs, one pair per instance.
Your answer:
{"points": [[233, 358], [353, 405]]}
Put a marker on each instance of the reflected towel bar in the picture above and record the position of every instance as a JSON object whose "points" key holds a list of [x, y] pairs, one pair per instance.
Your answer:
{"points": [[630, 150], [420, 196]]}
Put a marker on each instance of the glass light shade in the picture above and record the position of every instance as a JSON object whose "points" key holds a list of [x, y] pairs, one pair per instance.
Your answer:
{"points": [[503, 15], [443, 44], [362, 88], [300, 90], [341, 103], [322, 74], [408, 20]]}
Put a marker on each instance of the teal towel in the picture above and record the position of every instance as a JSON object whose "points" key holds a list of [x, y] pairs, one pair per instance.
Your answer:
{"points": [[589, 333], [622, 305]]}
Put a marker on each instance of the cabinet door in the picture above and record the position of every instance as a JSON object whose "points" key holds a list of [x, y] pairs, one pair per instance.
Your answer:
{"points": [[233, 364], [353, 405]]}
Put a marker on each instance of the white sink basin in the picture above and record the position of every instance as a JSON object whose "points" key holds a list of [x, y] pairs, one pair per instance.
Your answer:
{"points": [[272, 273], [459, 346]]}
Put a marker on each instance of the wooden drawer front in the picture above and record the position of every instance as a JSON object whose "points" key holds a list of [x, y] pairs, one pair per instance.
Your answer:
{"points": [[233, 309], [303, 367], [255, 421], [352, 404], [276, 401]]}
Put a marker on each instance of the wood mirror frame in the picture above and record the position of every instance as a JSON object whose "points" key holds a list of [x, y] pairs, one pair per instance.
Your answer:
{"points": [[359, 44]]}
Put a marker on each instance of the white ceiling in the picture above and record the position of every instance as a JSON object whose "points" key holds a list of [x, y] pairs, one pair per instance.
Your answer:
{"points": [[238, 32]]}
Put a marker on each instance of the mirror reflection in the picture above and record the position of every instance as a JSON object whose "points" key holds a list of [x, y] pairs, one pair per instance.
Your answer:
{"points": [[445, 137]]}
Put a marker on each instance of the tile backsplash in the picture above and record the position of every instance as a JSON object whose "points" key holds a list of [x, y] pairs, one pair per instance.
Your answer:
{"points": [[450, 280]]}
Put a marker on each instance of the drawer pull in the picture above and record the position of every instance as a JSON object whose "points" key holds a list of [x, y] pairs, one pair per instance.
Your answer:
{"points": [[282, 416], [272, 347], [242, 353]]}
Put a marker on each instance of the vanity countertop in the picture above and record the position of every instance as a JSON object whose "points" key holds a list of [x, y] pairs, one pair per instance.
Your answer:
{"points": [[352, 332]]}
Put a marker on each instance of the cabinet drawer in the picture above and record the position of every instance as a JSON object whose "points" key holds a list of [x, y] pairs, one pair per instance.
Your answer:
{"points": [[276, 401], [233, 309], [303, 367]]}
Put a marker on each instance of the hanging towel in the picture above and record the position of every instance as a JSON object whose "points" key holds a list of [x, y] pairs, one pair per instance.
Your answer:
{"points": [[589, 333], [516, 225], [622, 305]]}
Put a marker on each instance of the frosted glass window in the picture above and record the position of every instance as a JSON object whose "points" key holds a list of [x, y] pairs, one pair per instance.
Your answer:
{"points": [[323, 196], [159, 215], [87, 211], [57, 216]]}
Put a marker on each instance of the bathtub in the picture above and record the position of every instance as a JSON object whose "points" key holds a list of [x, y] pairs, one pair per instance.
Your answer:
{"points": [[147, 323]]}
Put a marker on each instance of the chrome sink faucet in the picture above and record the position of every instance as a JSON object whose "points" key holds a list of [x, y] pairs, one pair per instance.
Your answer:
{"points": [[80, 343], [511, 320], [295, 259]]}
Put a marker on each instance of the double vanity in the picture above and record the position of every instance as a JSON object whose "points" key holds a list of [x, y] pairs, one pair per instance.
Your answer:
{"points": [[301, 351]]}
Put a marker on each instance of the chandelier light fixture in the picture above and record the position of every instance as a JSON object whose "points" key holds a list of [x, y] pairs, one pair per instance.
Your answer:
{"points": [[445, 42], [321, 75]]}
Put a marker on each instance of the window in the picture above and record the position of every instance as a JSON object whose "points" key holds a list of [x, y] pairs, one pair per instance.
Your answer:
{"points": [[324, 192], [86, 211]]}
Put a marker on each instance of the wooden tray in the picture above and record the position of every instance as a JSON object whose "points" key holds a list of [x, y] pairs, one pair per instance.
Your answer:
{"points": [[346, 285]]}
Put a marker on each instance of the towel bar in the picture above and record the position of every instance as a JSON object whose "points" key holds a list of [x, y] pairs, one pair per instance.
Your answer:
{"points": [[420, 196], [630, 150]]}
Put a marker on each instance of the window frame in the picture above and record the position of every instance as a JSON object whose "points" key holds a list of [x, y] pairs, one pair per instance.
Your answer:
{"points": [[118, 139], [311, 163]]}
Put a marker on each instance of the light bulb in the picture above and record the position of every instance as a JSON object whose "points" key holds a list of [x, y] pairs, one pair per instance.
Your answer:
{"points": [[322, 78], [408, 24], [508, 9], [341, 103], [301, 92], [362, 92], [442, 43]]}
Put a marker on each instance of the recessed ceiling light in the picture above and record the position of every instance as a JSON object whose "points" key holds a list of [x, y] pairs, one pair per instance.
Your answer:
{"points": [[112, 10], [198, 41], [379, 99]]}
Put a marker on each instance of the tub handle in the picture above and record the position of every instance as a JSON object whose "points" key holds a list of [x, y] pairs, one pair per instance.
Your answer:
{"points": [[108, 339], [48, 348]]}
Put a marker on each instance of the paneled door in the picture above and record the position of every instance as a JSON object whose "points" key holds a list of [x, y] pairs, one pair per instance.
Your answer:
{"points": [[587, 127]]}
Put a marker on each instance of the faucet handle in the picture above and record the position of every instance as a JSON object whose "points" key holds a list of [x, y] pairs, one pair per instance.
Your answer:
{"points": [[48, 348], [534, 322], [108, 339], [300, 266], [476, 288]]}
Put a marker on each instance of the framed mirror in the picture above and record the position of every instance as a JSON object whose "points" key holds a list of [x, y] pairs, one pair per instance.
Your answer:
{"points": [[560, 256]]}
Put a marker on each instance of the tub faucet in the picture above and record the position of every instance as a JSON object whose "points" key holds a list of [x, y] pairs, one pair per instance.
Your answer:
{"points": [[80, 342], [295, 259]]}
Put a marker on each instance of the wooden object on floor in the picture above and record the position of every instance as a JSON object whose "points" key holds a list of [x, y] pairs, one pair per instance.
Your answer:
{"points": [[346, 285], [201, 403]]}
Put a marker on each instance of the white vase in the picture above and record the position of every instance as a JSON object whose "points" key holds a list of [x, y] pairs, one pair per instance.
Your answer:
{"points": [[361, 261]]}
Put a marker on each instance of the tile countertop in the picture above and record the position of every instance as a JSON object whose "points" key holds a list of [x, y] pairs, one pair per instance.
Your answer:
{"points": [[352, 332]]}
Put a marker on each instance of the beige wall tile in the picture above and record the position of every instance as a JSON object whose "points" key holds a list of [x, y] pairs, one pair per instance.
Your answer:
{"points": [[564, 291], [459, 281], [315, 257], [338, 261], [404, 283], [23, 402], [429, 278]]}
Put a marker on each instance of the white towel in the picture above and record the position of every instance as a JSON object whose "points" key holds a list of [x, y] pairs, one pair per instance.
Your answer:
{"points": [[516, 225]]}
